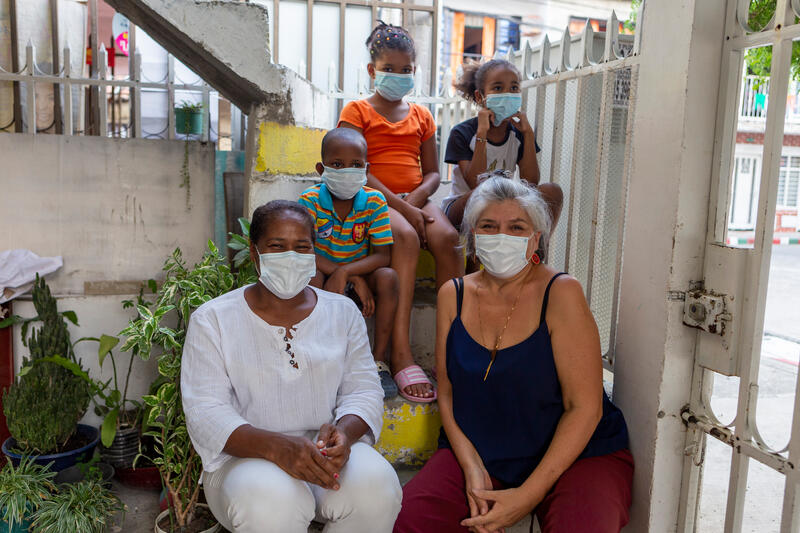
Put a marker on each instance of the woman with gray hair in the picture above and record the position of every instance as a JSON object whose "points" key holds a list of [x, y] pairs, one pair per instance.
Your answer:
{"points": [[527, 426]]}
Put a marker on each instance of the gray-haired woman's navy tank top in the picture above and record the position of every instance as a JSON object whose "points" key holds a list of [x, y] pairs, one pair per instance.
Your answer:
{"points": [[512, 416]]}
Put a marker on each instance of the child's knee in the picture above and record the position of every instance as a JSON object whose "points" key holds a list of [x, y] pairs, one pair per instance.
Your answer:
{"points": [[386, 281], [318, 280], [446, 238], [552, 193], [405, 237]]}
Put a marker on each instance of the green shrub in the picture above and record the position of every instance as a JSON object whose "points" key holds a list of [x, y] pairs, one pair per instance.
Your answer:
{"points": [[184, 290], [46, 402], [84, 507]]}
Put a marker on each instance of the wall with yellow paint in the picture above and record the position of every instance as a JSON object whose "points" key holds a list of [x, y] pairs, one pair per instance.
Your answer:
{"points": [[286, 149], [410, 432]]}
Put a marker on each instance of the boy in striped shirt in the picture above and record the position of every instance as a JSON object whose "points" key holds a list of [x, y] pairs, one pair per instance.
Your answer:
{"points": [[354, 237]]}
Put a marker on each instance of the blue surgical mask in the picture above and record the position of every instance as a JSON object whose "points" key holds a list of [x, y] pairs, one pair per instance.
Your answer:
{"points": [[393, 86], [344, 183], [503, 105]]}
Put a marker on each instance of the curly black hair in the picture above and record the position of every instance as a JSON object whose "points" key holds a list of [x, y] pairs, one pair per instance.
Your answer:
{"points": [[388, 36], [273, 211], [474, 76]]}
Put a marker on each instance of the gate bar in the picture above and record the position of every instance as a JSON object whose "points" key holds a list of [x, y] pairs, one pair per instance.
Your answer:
{"points": [[758, 266]]}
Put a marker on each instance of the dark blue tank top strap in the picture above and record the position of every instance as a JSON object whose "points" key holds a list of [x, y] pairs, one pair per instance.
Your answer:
{"points": [[459, 283], [547, 297]]}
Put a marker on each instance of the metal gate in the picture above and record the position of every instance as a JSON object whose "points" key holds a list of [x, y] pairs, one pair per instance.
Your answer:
{"points": [[580, 93], [728, 305]]}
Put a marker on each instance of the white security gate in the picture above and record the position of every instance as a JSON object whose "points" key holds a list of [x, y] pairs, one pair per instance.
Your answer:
{"points": [[728, 304], [580, 94]]}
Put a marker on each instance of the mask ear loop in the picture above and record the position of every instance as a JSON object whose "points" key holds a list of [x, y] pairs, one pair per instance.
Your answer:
{"points": [[534, 258], [258, 270]]}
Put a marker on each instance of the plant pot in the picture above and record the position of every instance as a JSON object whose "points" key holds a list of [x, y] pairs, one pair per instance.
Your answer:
{"points": [[76, 474], [188, 121], [123, 449], [18, 528], [142, 478], [212, 529], [61, 460]]}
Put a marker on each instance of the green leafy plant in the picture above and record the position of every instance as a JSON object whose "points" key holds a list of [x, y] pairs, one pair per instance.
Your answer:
{"points": [[23, 489], [192, 107], [110, 403], [183, 290], [630, 24], [46, 402], [245, 270], [86, 507]]}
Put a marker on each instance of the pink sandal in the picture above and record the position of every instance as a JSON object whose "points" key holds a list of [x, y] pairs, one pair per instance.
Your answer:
{"points": [[413, 375]]}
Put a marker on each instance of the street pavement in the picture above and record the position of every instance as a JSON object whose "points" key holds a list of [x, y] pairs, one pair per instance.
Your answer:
{"points": [[777, 381]]}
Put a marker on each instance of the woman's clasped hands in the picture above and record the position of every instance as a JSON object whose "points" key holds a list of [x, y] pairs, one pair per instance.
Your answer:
{"points": [[319, 463], [492, 511]]}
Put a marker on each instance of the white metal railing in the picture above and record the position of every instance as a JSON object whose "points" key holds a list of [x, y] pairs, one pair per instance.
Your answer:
{"points": [[583, 106], [110, 92], [754, 99]]}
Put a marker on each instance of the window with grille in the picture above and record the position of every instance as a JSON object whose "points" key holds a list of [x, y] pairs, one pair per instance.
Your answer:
{"points": [[789, 181]]}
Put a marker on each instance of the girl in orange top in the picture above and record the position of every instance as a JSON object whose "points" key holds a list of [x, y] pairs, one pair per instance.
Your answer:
{"points": [[401, 149]]}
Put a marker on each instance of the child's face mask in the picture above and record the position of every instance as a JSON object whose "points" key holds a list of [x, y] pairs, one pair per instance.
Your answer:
{"points": [[393, 86], [503, 105], [344, 183]]}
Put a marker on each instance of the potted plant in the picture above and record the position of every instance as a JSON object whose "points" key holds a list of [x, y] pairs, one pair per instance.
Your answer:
{"points": [[189, 118], [188, 121], [183, 290], [94, 469], [119, 433], [23, 488], [46, 401], [86, 507]]}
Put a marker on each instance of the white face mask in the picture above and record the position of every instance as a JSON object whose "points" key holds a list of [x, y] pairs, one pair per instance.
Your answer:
{"points": [[344, 183], [503, 256], [285, 274]]}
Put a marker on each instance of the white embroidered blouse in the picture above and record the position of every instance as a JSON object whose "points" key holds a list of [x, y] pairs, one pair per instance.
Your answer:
{"points": [[237, 369]]}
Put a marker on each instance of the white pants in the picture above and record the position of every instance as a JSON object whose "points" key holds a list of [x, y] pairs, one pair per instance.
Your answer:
{"points": [[257, 496]]}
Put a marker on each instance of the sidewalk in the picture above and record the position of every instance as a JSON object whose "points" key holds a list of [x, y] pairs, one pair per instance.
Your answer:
{"points": [[743, 238]]}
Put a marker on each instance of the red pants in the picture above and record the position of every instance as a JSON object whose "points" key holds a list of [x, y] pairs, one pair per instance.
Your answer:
{"points": [[593, 495]]}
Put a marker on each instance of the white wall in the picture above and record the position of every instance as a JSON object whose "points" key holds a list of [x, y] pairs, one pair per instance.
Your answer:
{"points": [[114, 210]]}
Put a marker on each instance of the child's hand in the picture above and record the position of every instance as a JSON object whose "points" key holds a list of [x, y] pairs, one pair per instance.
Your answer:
{"points": [[523, 125], [364, 294], [417, 198], [418, 219], [485, 121], [336, 281]]}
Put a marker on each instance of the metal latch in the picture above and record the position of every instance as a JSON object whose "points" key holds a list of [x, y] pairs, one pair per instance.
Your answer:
{"points": [[705, 310]]}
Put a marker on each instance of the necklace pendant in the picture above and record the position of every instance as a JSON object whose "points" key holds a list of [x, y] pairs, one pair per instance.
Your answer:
{"points": [[491, 362]]}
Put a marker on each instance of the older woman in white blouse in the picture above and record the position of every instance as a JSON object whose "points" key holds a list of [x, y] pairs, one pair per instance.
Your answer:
{"points": [[282, 397]]}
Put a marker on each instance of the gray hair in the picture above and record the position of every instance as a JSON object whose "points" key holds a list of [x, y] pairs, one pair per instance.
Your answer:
{"points": [[499, 189]]}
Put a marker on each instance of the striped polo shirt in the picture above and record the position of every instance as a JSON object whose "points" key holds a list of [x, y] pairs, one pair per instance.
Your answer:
{"points": [[345, 241]]}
